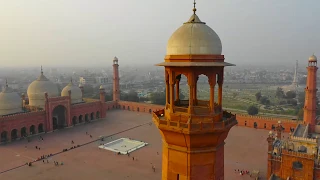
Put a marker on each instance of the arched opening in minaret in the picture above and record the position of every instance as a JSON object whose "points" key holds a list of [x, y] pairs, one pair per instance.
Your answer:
{"points": [[59, 117], [32, 129], [23, 132], [14, 134], [4, 136], [203, 88], [181, 93]]}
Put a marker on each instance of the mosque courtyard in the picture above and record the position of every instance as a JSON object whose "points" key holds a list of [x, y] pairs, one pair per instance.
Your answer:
{"points": [[245, 149]]}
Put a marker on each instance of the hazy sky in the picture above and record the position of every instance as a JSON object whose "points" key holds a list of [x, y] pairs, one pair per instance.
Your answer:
{"points": [[82, 32]]}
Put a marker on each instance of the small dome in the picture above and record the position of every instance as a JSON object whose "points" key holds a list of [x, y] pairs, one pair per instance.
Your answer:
{"points": [[313, 58], [10, 102], [115, 58], [101, 87], [37, 89], [76, 94], [196, 38]]}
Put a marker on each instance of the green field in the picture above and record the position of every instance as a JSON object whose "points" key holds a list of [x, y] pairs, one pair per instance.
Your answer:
{"points": [[241, 96]]}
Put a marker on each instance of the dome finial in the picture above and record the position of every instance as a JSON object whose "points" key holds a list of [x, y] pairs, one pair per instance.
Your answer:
{"points": [[41, 70], [6, 82], [71, 79], [194, 7]]}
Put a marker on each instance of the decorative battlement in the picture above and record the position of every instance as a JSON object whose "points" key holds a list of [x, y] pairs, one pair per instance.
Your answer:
{"points": [[298, 154], [59, 98], [276, 158], [21, 115], [87, 104], [269, 119], [304, 139], [89, 100], [205, 125]]}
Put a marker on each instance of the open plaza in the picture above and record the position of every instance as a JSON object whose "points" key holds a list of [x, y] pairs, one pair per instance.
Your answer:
{"points": [[245, 149]]}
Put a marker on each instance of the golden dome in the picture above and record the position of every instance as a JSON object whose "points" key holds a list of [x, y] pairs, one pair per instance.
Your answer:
{"points": [[194, 38], [38, 88], [10, 102], [313, 58], [76, 94]]}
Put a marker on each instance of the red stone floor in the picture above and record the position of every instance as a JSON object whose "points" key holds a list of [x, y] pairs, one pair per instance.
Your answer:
{"points": [[245, 149]]}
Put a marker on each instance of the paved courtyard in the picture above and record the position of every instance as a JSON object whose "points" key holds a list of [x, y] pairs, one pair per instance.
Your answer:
{"points": [[245, 149]]}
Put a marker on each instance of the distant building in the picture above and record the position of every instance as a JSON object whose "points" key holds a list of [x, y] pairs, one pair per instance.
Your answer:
{"points": [[298, 156], [87, 80], [101, 80]]}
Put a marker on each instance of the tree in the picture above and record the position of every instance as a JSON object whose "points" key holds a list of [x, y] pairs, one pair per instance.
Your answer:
{"points": [[252, 110], [158, 98], [130, 96], [300, 114], [264, 100], [290, 94], [293, 102], [234, 95], [279, 93], [258, 96]]}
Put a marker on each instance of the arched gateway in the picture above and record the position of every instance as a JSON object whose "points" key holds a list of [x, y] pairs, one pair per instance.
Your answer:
{"points": [[59, 119]]}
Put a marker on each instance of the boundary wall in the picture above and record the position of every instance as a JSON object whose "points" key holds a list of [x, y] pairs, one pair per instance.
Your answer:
{"points": [[257, 122]]}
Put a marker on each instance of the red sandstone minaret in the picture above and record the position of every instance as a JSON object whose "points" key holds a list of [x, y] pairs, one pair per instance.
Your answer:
{"points": [[310, 105], [193, 131], [116, 79]]}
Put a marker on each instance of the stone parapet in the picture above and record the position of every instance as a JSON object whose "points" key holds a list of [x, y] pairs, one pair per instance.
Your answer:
{"points": [[21, 115], [190, 126], [298, 154], [304, 139], [267, 118]]}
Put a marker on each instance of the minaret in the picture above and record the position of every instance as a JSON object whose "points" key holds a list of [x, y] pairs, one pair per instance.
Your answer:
{"points": [[279, 130], [295, 77], [116, 79], [310, 104], [193, 131]]}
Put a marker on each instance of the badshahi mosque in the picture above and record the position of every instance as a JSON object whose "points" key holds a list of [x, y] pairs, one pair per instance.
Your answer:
{"points": [[45, 109], [193, 131]]}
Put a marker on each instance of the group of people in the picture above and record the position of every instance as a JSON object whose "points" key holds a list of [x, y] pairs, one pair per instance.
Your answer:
{"points": [[241, 172]]}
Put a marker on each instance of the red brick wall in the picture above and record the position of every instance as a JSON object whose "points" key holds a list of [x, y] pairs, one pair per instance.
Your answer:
{"points": [[265, 123]]}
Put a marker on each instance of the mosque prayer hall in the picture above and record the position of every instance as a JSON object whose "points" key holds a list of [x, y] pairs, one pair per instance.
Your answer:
{"points": [[189, 136]]}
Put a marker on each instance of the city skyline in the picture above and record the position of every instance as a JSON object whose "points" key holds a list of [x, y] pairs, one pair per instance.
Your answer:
{"points": [[84, 33]]}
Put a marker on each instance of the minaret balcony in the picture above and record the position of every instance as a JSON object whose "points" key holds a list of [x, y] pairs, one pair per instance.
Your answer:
{"points": [[201, 120]]}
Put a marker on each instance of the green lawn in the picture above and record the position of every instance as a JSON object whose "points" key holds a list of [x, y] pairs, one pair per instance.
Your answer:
{"points": [[241, 96]]}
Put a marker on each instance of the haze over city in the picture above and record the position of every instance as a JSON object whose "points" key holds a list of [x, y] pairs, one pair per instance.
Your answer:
{"points": [[90, 33], [234, 94]]}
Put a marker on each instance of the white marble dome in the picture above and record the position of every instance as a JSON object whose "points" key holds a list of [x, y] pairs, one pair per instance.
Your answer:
{"points": [[76, 94], [194, 38], [10, 102], [313, 58], [38, 88]]}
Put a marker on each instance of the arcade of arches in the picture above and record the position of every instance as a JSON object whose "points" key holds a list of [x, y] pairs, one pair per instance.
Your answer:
{"points": [[85, 118], [22, 132], [193, 105]]}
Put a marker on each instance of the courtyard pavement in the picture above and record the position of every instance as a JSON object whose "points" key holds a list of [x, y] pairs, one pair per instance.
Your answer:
{"points": [[245, 149]]}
